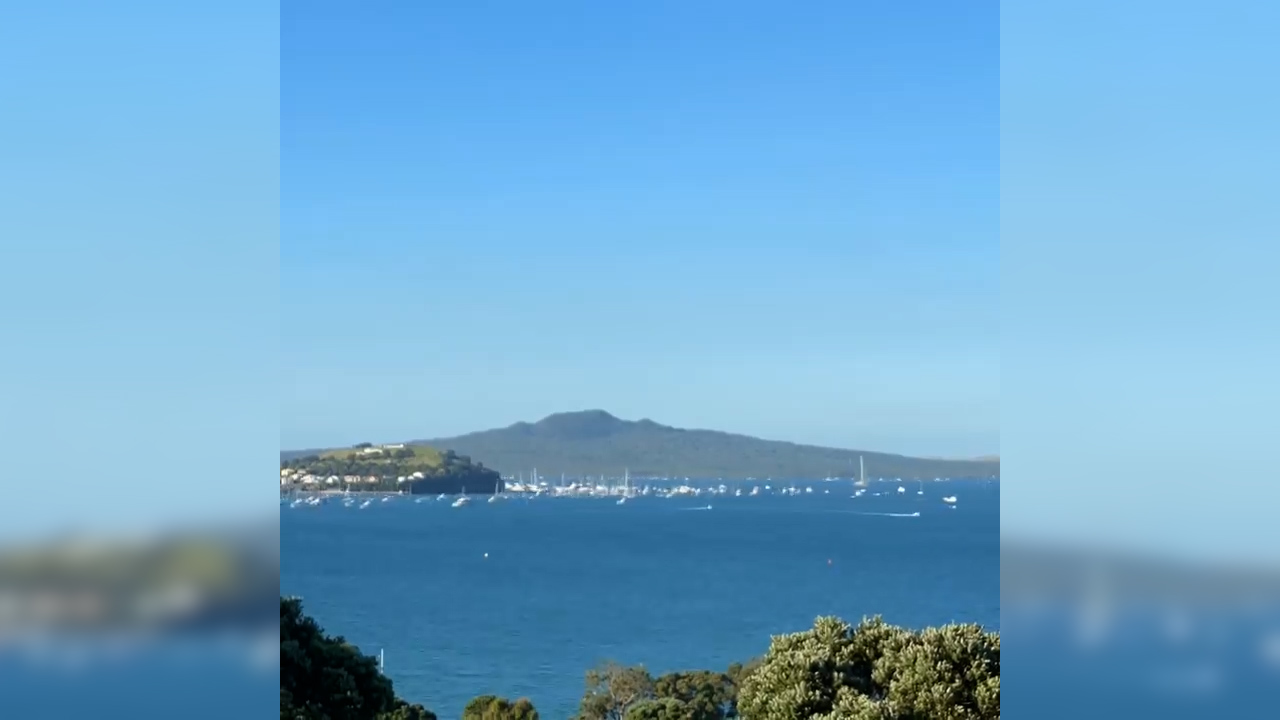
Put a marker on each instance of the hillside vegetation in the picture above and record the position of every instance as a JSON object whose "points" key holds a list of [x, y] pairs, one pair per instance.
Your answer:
{"points": [[388, 468]]}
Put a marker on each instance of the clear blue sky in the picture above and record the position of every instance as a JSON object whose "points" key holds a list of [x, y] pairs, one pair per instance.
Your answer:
{"points": [[139, 230], [758, 217]]}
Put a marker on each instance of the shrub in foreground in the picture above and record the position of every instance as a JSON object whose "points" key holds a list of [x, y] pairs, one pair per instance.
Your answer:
{"points": [[876, 671]]}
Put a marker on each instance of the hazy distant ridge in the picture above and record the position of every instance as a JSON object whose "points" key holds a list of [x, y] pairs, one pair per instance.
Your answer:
{"points": [[592, 442]]}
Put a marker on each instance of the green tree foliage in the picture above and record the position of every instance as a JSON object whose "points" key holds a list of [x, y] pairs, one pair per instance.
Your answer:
{"points": [[326, 678], [491, 707], [738, 673], [704, 695], [613, 690], [661, 709], [876, 671]]}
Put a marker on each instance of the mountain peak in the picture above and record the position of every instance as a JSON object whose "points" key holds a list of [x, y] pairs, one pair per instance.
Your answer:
{"points": [[579, 425], [593, 415]]}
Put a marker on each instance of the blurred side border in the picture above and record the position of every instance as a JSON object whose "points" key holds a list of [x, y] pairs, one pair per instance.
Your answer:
{"points": [[139, 284], [1140, 563]]}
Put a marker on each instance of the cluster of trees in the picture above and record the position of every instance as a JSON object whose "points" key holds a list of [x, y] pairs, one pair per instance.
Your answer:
{"points": [[833, 671], [614, 692], [492, 707], [876, 671]]}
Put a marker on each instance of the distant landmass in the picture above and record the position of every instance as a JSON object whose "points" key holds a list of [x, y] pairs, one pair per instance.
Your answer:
{"points": [[594, 442], [417, 469]]}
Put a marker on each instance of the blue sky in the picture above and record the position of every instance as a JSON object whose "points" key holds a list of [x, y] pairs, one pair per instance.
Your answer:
{"points": [[745, 216], [139, 220]]}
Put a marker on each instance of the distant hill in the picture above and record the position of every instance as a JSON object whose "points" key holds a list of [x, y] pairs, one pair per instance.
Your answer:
{"points": [[592, 442], [418, 468]]}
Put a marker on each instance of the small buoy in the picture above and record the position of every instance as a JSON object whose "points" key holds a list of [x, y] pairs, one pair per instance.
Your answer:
{"points": [[828, 561], [486, 554]]}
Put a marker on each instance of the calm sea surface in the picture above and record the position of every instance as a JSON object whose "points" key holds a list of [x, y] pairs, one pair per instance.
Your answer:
{"points": [[570, 582]]}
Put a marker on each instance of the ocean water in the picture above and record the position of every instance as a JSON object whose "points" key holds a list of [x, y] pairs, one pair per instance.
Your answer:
{"points": [[567, 583]]}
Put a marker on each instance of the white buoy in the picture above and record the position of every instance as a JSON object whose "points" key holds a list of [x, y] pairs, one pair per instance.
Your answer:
{"points": [[486, 554]]}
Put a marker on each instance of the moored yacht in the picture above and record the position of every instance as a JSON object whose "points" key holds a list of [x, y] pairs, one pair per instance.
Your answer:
{"points": [[462, 499]]}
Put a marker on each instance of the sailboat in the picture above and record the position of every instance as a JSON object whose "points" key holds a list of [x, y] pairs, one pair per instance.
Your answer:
{"points": [[496, 496], [921, 490], [463, 500], [626, 486], [861, 483]]}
